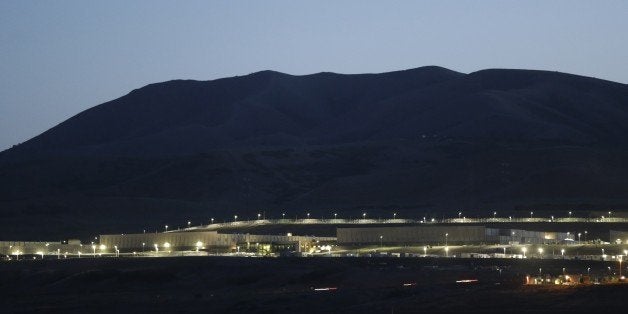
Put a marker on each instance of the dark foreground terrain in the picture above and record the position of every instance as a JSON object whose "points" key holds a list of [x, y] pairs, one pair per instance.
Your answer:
{"points": [[261, 285]]}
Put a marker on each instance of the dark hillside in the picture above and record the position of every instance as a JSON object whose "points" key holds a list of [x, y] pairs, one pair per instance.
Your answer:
{"points": [[421, 141]]}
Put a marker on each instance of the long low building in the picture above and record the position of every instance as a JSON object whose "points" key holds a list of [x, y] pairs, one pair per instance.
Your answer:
{"points": [[179, 241], [445, 234]]}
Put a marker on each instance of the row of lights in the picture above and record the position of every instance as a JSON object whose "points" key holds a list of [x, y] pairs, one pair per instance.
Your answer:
{"points": [[283, 216]]}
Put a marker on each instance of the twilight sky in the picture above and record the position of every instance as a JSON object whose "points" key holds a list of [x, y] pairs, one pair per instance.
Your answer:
{"points": [[58, 58]]}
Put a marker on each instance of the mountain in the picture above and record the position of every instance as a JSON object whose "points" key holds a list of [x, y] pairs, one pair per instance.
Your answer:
{"points": [[420, 141]]}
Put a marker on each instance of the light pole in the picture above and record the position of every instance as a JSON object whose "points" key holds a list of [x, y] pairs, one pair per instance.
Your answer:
{"points": [[363, 215], [531, 213], [189, 223], [308, 215], [585, 235], [540, 252], [380, 240], [523, 250], [562, 253], [166, 228], [335, 215], [235, 218], [258, 216], [570, 214], [446, 251], [117, 251], [446, 236], [94, 250], [211, 221], [603, 255], [143, 246], [494, 215], [459, 214], [394, 215], [424, 251], [283, 215], [579, 234]]}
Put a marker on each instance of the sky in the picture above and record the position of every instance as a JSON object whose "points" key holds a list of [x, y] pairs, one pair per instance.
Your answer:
{"points": [[58, 58]]}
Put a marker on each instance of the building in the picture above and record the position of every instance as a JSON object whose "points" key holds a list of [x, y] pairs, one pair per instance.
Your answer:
{"points": [[411, 235], [191, 240], [445, 234]]}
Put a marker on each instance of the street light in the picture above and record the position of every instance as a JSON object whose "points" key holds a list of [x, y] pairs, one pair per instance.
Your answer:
{"points": [[447, 251], [424, 251], [258, 216], [143, 245], [562, 252], [335, 215], [446, 236], [540, 252], [579, 234], [199, 244], [363, 215], [494, 215], [166, 228], [380, 240], [570, 214], [524, 250], [308, 215], [283, 215], [585, 235], [189, 223], [235, 218], [211, 220], [459, 214], [531, 213], [394, 215]]}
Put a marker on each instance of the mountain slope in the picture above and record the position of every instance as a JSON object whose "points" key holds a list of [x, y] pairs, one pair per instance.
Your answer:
{"points": [[420, 141]]}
